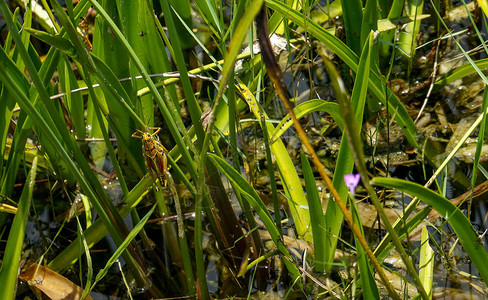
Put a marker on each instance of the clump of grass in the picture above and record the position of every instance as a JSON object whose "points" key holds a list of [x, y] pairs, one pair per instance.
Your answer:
{"points": [[134, 69]]}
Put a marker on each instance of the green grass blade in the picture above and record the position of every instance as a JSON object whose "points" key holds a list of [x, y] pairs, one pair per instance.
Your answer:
{"points": [[156, 51], [134, 232], [74, 102], [131, 16], [7, 105], [83, 248], [370, 290], [183, 10], [345, 162], [288, 173], [97, 231], [389, 24], [462, 71], [271, 174], [407, 40], [369, 21], [317, 219], [352, 12], [304, 109], [193, 107], [395, 12], [426, 264], [208, 11], [458, 221], [13, 250], [61, 43], [19, 139], [481, 137], [252, 196]]}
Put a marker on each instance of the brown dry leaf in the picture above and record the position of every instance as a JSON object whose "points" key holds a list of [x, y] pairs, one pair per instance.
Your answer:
{"points": [[369, 216], [398, 283], [50, 283]]}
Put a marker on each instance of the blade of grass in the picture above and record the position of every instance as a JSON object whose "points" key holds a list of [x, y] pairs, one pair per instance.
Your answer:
{"points": [[74, 102], [352, 12], [180, 62], [317, 219], [97, 231], [458, 221], [134, 232], [370, 290], [345, 162], [156, 50], [369, 22], [13, 249], [233, 112], [289, 176], [481, 137], [208, 11], [271, 174], [83, 248], [183, 242], [131, 16], [183, 10], [7, 105], [304, 109], [389, 24], [251, 195], [407, 40], [426, 264]]}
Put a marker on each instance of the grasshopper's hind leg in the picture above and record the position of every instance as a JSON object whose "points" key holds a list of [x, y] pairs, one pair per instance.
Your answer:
{"points": [[152, 172]]}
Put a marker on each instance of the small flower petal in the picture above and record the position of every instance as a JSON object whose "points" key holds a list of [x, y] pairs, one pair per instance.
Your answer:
{"points": [[352, 181]]}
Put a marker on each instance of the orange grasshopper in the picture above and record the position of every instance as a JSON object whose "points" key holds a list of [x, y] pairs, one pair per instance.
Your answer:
{"points": [[154, 155]]}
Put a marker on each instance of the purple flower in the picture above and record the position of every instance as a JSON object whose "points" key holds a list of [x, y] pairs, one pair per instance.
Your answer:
{"points": [[352, 181]]}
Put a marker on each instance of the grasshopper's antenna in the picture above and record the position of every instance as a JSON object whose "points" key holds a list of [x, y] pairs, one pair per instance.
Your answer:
{"points": [[149, 121]]}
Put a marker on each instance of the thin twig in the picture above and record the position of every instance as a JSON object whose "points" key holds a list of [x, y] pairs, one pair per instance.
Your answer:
{"points": [[431, 87], [164, 75]]}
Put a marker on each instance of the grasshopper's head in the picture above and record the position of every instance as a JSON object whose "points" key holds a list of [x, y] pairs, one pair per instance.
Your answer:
{"points": [[146, 136]]}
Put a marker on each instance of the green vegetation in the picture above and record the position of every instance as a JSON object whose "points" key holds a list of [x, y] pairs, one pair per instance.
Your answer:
{"points": [[160, 149]]}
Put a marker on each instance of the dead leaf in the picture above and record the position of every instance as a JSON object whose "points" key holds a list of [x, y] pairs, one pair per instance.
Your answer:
{"points": [[50, 283]]}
